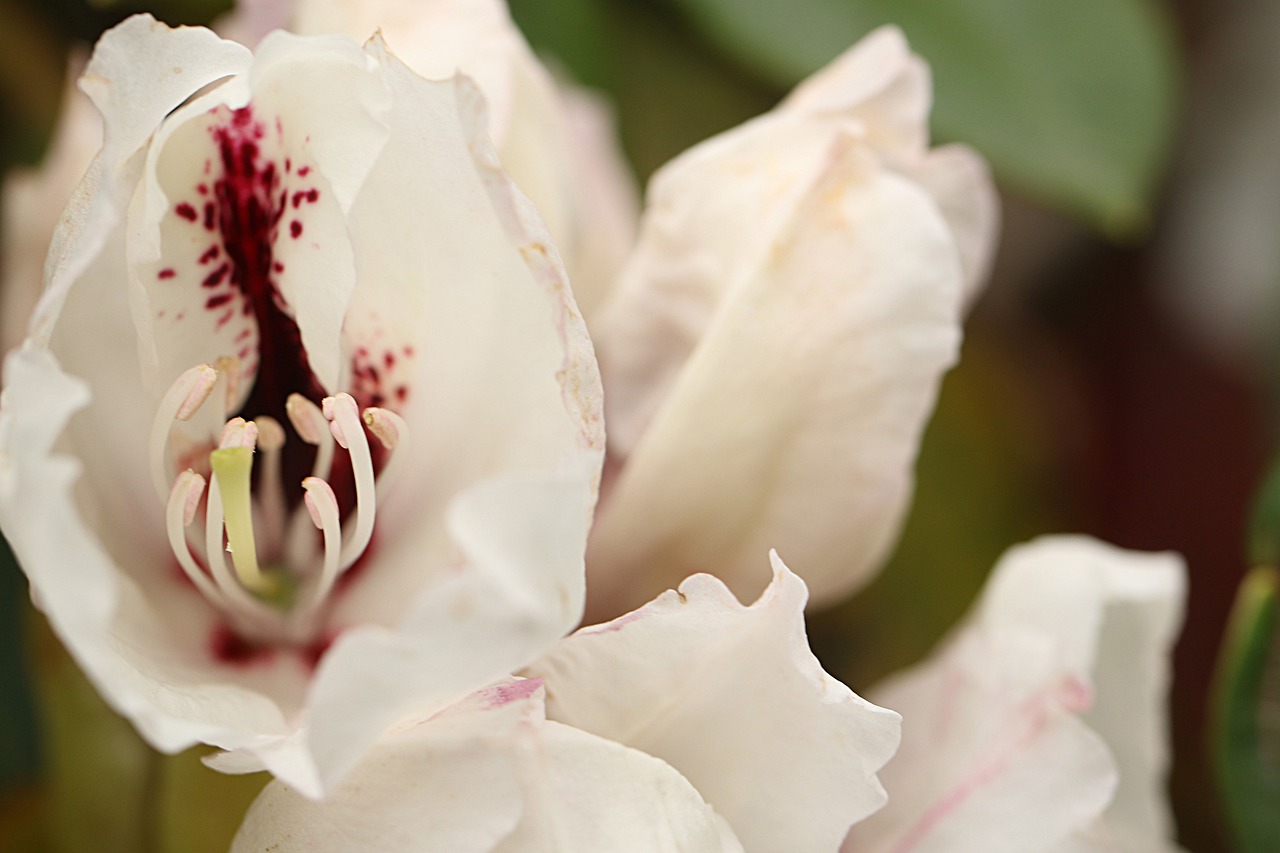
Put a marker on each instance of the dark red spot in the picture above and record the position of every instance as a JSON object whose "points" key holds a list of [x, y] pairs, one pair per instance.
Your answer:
{"points": [[215, 278], [167, 272], [295, 229], [277, 266], [217, 300], [210, 215], [303, 171], [288, 165], [186, 211], [203, 189], [402, 393], [244, 334], [210, 254], [389, 359]]}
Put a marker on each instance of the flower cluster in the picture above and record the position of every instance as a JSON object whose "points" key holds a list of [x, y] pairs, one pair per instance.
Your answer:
{"points": [[302, 451]]}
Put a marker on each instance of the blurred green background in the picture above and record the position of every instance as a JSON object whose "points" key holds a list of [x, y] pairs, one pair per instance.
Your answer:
{"points": [[1101, 389]]}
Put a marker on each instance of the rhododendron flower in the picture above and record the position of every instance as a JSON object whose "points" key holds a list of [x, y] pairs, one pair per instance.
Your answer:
{"points": [[691, 724], [774, 345], [300, 267], [1040, 725]]}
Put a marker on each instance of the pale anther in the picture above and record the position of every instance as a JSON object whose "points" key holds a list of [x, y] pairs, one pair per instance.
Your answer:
{"points": [[270, 433], [309, 422], [348, 429], [393, 433], [238, 432], [183, 399]]}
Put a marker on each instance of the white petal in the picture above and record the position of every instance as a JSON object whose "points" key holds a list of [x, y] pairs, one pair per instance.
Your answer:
{"points": [[961, 186], [243, 203], [514, 589], [731, 697], [142, 69], [447, 785], [879, 83], [1041, 725], [993, 757], [1116, 615], [144, 646], [589, 793], [139, 72], [796, 420], [452, 292], [438, 38], [492, 776]]}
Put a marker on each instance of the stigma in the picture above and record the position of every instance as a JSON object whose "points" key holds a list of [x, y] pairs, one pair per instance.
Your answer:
{"points": [[265, 559]]}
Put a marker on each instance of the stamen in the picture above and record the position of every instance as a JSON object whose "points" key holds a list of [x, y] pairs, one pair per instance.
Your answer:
{"points": [[322, 505], [271, 484], [184, 499], [309, 422], [344, 421], [183, 399], [393, 432], [238, 432]]}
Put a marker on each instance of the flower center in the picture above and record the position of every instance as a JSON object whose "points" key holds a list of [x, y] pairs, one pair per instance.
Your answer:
{"points": [[281, 574]]}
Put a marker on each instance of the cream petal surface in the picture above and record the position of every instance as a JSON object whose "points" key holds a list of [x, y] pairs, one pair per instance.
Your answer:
{"points": [[140, 70], [960, 182], [1116, 615], [1039, 725], [445, 298], [438, 38], [796, 420], [880, 84], [731, 696], [492, 775]]}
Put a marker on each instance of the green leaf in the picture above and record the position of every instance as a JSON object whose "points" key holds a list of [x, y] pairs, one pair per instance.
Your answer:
{"points": [[1072, 101], [1264, 525], [1246, 735]]}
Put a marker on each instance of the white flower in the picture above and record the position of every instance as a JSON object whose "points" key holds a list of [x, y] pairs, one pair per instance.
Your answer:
{"points": [[317, 240], [1039, 727], [775, 343], [691, 724]]}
